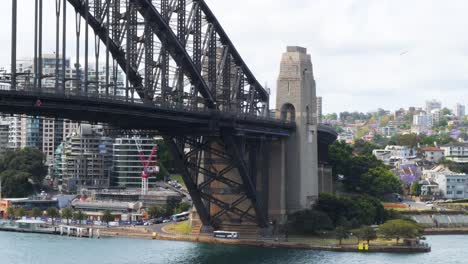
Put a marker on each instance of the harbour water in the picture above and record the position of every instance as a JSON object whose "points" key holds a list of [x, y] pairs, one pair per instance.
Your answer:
{"points": [[18, 248]]}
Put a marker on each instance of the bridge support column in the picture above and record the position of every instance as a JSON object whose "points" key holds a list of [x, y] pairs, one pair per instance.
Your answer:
{"points": [[226, 179], [296, 100], [277, 184]]}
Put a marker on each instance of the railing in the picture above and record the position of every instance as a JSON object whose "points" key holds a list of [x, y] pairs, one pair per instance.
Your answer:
{"points": [[99, 97]]}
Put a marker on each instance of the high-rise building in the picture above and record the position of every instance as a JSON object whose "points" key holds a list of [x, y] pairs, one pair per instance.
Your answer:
{"points": [[4, 134], [14, 131], [33, 136], [432, 105], [86, 159], [459, 110], [423, 120], [436, 116], [422, 123], [319, 109], [127, 166]]}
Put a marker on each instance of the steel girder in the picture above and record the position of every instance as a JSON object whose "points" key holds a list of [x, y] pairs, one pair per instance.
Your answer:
{"points": [[220, 174], [175, 47], [192, 64], [114, 47]]}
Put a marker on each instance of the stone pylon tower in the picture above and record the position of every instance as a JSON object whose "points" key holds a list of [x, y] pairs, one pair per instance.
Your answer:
{"points": [[296, 100]]}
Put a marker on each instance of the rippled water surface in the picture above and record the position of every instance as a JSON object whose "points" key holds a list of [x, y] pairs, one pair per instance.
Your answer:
{"points": [[30, 248]]}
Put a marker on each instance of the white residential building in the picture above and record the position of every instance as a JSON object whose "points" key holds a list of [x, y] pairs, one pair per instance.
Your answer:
{"points": [[453, 185], [436, 116], [433, 154], [456, 152], [432, 173], [425, 120], [392, 154], [126, 162]]}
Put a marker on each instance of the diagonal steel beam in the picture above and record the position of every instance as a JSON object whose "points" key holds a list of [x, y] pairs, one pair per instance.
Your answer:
{"points": [[175, 48], [117, 52], [192, 187], [237, 156]]}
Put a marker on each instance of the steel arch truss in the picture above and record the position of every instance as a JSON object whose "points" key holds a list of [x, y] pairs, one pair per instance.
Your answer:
{"points": [[174, 54], [221, 177]]}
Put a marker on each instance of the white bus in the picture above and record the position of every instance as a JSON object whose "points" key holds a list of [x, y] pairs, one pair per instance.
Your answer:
{"points": [[226, 234], [180, 217]]}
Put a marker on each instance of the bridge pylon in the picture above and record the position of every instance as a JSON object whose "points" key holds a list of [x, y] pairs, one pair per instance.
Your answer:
{"points": [[294, 177]]}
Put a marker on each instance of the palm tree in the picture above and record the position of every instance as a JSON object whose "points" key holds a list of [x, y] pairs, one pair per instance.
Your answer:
{"points": [[78, 216], [53, 213], [67, 213], [36, 212], [107, 217], [20, 212], [11, 213]]}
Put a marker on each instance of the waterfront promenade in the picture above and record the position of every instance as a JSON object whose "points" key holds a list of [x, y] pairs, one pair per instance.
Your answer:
{"points": [[294, 242]]}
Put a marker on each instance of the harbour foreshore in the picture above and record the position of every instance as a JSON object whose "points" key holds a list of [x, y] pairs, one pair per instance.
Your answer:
{"points": [[270, 243]]}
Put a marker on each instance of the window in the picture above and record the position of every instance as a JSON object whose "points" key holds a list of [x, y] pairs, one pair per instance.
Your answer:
{"points": [[459, 192], [449, 192]]}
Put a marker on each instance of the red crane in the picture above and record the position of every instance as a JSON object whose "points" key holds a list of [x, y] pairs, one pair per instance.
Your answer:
{"points": [[150, 165]]}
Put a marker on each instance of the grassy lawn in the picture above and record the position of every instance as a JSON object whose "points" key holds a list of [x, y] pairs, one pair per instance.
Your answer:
{"points": [[179, 179], [181, 228]]}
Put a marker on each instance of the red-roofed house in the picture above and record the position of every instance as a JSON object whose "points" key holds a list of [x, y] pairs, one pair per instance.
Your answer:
{"points": [[433, 154]]}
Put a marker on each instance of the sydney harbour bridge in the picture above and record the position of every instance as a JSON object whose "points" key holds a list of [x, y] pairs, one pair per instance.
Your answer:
{"points": [[184, 79]]}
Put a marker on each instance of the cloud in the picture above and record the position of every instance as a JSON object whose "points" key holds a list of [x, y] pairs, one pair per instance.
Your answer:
{"points": [[356, 45]]}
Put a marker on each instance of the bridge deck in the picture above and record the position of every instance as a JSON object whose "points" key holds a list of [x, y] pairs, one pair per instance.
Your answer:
{"points": [[138, 116]]}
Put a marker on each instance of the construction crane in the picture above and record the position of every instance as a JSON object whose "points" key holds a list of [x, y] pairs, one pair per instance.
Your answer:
{"points": [[150, 164]]}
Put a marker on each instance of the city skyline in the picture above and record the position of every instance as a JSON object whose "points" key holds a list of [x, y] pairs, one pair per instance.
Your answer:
{"points": [[366, 55]]}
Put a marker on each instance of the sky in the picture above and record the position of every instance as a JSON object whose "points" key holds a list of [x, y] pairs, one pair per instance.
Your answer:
{"points": [[367, 54]]}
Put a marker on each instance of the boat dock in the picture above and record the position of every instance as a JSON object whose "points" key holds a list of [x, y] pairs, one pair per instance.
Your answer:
{"points": [[41, 227]]}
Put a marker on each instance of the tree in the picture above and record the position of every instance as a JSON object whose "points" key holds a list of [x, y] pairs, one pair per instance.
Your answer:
{"points": [[366, 233], [332, 116], [183, 207], [36, 212], [400, 229], [341, 233], [28, 160], [156, 211], [358, 210], [366, 210], [363, 147], [309, 222], [107, 217], [20, 212], [53, 213], [165, 160], [10, 212], [410, 140], [380, 181], [334, 206], [416, 188], [67, 213], [15, 184], [78, 216]]}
